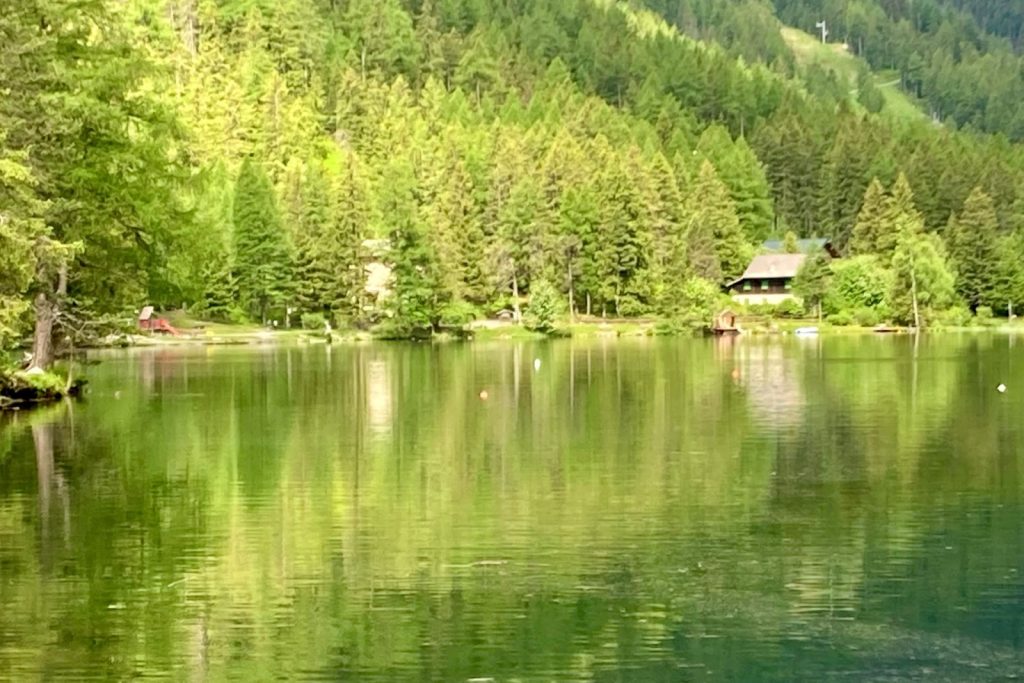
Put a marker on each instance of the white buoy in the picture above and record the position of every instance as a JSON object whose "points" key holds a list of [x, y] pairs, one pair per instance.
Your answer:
{"points": [[1001, 388], [536, 364]]}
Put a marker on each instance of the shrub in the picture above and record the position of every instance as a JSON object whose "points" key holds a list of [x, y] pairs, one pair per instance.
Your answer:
{"points": [[544, 308], [983, 315], [790, 308], [630, 306], [458, 314], [313, 321], [858, 282], [841, 319], [866, 317], [957, 316], [675, 327]]}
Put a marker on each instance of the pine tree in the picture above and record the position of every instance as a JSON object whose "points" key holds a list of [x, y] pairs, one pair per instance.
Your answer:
{"points": [[412, 304], [310, 215], [713, 222], [741, 171], [346, 230], [262, 253], [626, 221], [973, 250], [872, 221], [902, 211]]}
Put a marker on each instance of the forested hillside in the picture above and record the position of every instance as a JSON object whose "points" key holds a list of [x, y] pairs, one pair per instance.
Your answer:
{"points": [[962, 57], [234, 156]]}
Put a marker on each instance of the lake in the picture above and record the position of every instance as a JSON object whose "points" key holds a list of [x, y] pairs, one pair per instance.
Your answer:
{"points": [[844, 508]]}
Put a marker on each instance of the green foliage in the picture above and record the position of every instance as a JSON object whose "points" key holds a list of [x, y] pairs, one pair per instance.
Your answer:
{"points": [[481, 150], [716, 246], [841, 319], [316, 322], [867, 317], [458, 314], [954, 316], [974, 250], [811, 283], [790, 308], [983, 315], [920, 271], [858, 282], [412, 305], [262, 264], [544, 309], [789, 243]]}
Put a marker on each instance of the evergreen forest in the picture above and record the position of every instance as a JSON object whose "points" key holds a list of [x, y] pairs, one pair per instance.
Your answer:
{"points": [[245, 159]]}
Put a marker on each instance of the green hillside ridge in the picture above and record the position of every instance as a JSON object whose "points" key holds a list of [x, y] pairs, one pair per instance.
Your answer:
{"points": [[837, 58]]}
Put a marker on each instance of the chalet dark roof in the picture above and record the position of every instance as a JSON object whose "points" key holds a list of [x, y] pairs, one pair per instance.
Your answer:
{"points": [[769, 266], [804, 246]]}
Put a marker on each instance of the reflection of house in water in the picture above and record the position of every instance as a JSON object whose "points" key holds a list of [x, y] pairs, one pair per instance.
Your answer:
{"points": [[771, 377], [379, 404]]}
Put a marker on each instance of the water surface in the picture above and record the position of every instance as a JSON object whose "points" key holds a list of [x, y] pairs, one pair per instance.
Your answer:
{"points": [[614, 510]]}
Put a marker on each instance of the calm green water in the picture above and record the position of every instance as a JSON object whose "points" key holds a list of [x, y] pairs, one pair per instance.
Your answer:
{"points": [[750, 509]]}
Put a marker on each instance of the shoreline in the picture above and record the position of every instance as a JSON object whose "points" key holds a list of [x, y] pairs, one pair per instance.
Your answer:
{"points": [[511, 332]]}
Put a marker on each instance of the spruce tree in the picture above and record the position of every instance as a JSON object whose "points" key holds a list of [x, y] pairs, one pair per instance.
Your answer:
{"points": [[314, 269], [346, 230], [712, 220], [872, 220], [262, 253], [412, 304], [974, 250]]}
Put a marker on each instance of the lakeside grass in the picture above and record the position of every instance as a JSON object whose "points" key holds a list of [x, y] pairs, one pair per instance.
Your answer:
{"points": [[201, 332]]}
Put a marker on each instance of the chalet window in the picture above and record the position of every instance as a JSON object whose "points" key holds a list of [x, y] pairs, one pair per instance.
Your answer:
{"points": [[746, 286], [789, 284], [764, 285]]}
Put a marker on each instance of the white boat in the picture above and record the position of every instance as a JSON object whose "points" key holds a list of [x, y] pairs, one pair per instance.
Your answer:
{"points": [[805, 331]]}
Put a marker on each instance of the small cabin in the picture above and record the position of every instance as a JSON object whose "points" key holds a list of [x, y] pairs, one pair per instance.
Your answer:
{"points": [[767, 280], [146, 319]]}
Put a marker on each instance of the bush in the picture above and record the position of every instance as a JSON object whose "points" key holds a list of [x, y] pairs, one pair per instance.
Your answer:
{"points": [[761, 309], [957, 316], [841, 319], [866, 317], [858, 282], [313, 321], [675, 327], [790, 308], [544, 308], [458, 314], [631, 307], [983, 315]]}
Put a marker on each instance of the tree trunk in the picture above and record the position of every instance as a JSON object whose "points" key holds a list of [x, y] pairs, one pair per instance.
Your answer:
{"points": [[572, 295], [517, 313], [588, 304], [47, 309], [913, 295], [42, 340]]}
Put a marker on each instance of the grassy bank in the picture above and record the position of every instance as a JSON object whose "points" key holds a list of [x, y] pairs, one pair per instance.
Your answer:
{"points": [[20, 389], [195, 331]]}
